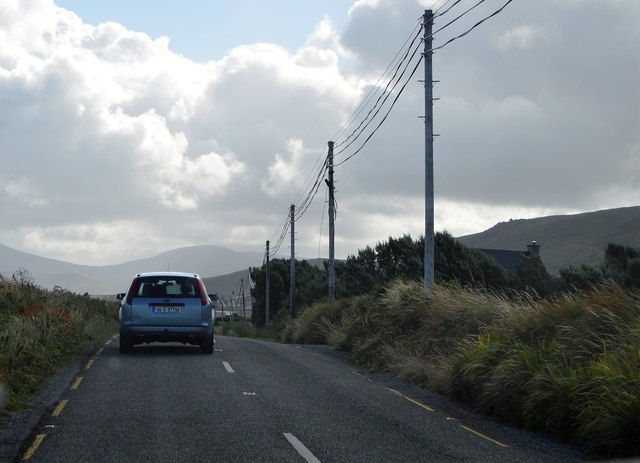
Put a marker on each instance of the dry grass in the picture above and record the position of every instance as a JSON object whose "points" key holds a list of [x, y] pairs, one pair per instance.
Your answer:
{"points": [[568, 367], [40, 330]]}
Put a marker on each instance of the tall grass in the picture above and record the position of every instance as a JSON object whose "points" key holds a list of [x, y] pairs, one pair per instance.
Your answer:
{"points": [[568, 367], [40, 330]]}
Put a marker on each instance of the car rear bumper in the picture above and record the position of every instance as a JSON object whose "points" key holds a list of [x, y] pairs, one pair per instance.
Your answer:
{"points": [[145, 334]]}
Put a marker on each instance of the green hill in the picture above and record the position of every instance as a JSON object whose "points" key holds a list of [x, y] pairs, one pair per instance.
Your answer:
{"points": [[564, 239]]}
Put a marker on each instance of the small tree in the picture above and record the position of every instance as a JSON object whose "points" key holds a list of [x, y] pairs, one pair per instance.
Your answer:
{"points": [[632, 277], [454, 261], [583, 276], [311, 286], [531, 274]]}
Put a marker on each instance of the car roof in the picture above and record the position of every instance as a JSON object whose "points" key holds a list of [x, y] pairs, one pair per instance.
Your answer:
{"points": [[167, 274]]}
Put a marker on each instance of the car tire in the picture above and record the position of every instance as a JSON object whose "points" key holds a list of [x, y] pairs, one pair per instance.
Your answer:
{"points": [[125, 346], [207, 345]]}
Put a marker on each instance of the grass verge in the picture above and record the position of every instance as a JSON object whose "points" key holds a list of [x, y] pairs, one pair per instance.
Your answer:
{"points": [[41, 330], [568, 367]]}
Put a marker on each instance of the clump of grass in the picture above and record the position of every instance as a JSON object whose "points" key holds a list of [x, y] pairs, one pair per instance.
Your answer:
{"points": [[569, 367], [410, 333], [609, 420], [40, 330], [310, 326], [239, 328]]}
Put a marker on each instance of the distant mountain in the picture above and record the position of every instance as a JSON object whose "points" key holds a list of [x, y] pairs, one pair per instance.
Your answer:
{"points": [[229, 284], [564, 239], [207, 261]]}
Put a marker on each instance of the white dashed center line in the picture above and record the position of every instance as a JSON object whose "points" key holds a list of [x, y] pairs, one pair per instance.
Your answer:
{"points": [[228, 367], [301, 449]]}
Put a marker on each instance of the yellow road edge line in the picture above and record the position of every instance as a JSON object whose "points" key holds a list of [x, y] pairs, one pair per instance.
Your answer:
{"points": [[76, 383], [59, 407], [36, 443], [415, 402], [89, 363], [115, 336], [100, 351], [426, 407], [479, 434], [395, 392]]}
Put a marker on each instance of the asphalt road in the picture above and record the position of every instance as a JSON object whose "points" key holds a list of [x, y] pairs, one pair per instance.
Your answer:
{"points": [[258, 401]]}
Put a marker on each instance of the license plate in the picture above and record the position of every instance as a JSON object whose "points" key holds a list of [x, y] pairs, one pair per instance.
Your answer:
{"points": [[165, 309]]}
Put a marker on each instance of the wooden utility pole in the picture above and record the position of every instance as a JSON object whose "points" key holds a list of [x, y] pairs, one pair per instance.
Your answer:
{"points": [[292, 285], [268, 288], [331, 277], [244, 313], [429, 237]]}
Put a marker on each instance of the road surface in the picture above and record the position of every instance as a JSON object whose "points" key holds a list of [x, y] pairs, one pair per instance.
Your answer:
{"points": [[258, 401]]}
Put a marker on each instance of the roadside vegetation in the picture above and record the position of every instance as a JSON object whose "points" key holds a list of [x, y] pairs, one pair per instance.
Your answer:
{"points": [[41, 331], [555, 355], [568, 367]]}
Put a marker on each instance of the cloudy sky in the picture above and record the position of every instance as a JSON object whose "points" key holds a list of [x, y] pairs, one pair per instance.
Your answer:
{"points": [[126, 130]]}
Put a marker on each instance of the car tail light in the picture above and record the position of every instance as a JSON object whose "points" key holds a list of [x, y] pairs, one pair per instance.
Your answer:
{"points": [[133, 289], [203, 293]]}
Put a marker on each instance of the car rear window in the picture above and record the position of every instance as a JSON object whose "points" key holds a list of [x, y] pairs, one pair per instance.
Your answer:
{"points": [[166, 286]]}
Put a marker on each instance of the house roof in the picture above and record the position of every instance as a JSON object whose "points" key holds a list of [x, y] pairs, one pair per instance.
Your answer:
{"points": [[507, 259]]}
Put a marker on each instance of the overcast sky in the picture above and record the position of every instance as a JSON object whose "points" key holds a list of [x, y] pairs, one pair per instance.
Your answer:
{"points": [[127, 130]]}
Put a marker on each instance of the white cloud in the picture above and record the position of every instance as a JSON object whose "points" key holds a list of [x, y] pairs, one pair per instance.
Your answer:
{"points": [[91, 242], [25, 192], [526, 36], [107, 134], [287, 172], [178, 180]]}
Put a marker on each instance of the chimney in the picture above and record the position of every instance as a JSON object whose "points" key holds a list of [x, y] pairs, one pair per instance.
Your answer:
{"points": [[534, 249]]}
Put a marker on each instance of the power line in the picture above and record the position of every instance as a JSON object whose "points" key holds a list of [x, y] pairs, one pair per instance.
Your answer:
{"points": [[472, 27], [373, 113], [435, 13], [312, 192], [285, 226], [314, 189], [383, 103], [375, 88], [324, 208], [403, 61], [385, 116], [283, 234], [303, 207], [311, 197], [309, 176], [458, 17], [416, 68]]}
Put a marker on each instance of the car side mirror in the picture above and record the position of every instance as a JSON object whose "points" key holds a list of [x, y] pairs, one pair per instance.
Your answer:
{"points": [[213, 296], [120, 296]]}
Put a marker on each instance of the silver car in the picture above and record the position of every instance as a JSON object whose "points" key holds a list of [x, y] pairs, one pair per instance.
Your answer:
{"points": [[166, 307]]}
